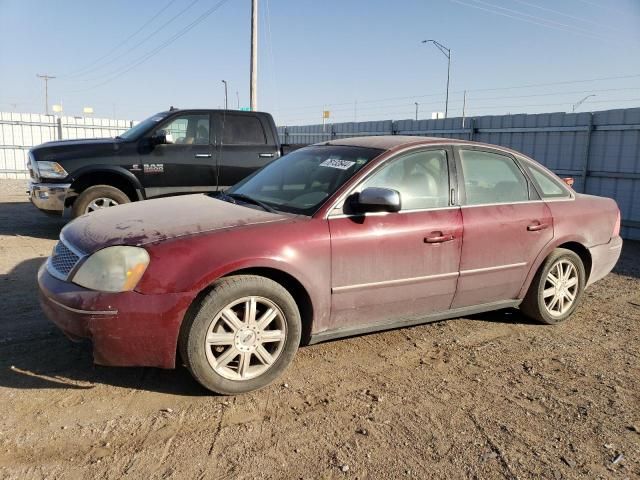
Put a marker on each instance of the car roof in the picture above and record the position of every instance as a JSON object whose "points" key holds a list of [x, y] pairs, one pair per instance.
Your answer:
{"points": [[390, 142]]}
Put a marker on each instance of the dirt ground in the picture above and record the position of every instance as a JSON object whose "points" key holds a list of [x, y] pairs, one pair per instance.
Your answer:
{"points": [[491, 396]]}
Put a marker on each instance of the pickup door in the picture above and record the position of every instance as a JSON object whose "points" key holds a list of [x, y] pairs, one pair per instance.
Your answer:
{"points": [[187, 164], [248, 143]]}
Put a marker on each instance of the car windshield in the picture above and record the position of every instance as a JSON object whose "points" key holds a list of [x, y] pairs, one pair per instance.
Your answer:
{"points": [[303, 180], [135, 132]]}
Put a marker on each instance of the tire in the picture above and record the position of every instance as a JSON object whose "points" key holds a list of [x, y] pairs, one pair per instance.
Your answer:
{"points": [[97, 193], [218, 366], [540, 302]]}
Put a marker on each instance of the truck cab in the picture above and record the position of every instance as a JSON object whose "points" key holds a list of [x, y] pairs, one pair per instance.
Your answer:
{"points": [[170, 153]]}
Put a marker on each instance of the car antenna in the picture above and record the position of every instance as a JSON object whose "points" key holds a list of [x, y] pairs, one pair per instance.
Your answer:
{"points": [[172, 108]]}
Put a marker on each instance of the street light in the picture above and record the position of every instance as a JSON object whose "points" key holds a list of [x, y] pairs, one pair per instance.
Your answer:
{"points": [[416, 110], [576, 105], [447, 53], [225, 94]]}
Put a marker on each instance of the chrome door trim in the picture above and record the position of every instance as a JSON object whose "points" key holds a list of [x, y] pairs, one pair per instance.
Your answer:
{"points": [[385, 283], [493, 269], [84, 312]]}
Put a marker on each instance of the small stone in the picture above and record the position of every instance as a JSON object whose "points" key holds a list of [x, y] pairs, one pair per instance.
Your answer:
{"points": [[608, 446], [569, 462], [297, 450], [617, 459], [65, 427], [344, 468], [362, 431], [285, 385], [167, 410]]}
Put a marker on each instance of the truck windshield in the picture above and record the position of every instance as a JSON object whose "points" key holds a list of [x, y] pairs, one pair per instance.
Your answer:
{"points": [[303, 180], [137, 131]]}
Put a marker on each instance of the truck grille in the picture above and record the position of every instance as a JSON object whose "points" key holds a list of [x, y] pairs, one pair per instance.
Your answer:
{"points": [[62, 260]]}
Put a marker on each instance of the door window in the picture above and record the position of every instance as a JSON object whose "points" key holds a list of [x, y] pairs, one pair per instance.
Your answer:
{"points": [[492, 178], [422, 178], [189, 129], [242, 130]]}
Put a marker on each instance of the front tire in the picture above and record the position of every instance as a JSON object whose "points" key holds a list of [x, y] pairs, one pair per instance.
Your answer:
{"points": [[98, 197], [556, 289], [243, 336]]}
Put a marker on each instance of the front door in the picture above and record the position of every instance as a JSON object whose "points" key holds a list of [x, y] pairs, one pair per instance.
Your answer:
{"points": [[506, 226], [185, 165], [398, 266]]}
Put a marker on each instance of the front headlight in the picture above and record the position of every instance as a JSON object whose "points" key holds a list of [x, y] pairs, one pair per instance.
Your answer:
{"points": [[113, 269], [51, 170]]}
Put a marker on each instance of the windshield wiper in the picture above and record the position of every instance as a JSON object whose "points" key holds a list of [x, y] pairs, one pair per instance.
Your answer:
{"points": [[247, 199]]}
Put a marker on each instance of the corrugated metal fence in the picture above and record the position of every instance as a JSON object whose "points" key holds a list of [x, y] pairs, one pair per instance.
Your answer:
{"points": [[601, 150], [21, 131]]}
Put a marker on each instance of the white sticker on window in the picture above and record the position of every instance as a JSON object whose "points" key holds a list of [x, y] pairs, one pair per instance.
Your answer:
{"points": [[337, 163]]}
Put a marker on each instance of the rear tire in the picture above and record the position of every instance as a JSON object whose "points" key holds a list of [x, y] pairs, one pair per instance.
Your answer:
{"points": [[556, 289], [98, 197], [243, 336]]}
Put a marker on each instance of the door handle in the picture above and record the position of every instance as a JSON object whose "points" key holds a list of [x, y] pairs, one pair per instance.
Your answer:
{"points": [[536, 227], [438, 237], [266, 155], [203, 155]]}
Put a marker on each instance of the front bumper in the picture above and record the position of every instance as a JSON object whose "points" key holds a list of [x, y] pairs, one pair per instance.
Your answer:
{"points": [[604, 258], [48, 197], [126, 329]]}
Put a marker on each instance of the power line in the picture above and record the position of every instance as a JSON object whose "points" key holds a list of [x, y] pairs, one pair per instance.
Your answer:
{"points": [[87, 68], [140, 60], [134, 47], [522, 18], [558, 12]]}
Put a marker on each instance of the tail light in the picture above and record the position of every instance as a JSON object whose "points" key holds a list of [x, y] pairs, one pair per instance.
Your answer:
{"points": [[616, 228]]}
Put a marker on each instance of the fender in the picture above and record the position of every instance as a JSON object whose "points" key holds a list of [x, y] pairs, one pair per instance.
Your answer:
{"points": [[544, 253], [123, 172]]}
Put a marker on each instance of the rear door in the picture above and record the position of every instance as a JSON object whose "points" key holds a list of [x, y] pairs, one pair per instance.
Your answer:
{"points": [[506, 225], [246, 146], [185, 165], [398, 266]]}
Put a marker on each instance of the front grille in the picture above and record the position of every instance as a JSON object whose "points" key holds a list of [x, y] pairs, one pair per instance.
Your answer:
{"points": [[63, 259]]}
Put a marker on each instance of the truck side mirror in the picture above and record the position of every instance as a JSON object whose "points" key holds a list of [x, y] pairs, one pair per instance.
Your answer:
{"points": [[162, 137]]}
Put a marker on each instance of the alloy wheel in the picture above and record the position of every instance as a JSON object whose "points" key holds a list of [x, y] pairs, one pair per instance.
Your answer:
{"points": [[100, 203], [560, 288], [245, 338]]}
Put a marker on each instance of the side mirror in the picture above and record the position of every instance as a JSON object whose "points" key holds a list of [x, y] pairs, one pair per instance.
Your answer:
{"points": [[162, 137], [374, 199]]}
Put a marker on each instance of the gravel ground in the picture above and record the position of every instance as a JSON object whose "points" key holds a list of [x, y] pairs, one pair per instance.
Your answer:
{"points": [[490, 396]]}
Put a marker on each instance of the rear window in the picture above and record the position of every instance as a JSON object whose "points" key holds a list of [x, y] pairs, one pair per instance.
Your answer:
{"points": [[242, 130]]}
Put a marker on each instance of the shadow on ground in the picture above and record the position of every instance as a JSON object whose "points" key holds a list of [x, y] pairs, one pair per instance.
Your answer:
{"points": [[17, 218]]}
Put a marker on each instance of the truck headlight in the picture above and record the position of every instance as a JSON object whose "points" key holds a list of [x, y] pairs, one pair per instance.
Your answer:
{"points": [[51, 170], [113, 269]]}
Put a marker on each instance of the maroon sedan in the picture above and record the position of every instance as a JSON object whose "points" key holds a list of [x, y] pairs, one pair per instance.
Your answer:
{"points": [[336, 239]]}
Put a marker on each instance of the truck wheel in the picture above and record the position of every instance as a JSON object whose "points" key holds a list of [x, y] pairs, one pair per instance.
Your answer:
{"points": [[556, 288], [243, 337], [97, 198]]}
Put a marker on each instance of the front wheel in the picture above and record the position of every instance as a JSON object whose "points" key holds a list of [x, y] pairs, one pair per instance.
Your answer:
{"points": [[244, 335], [556, 288], [98, 197]]}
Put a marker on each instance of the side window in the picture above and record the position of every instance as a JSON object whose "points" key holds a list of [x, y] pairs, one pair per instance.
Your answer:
{"points": [[422, 178], [188, 129], [549, 186], [492, 178], [243, 130]]}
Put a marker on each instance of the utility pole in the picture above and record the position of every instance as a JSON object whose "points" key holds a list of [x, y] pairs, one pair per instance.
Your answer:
{"points": [[226, 99], [46, 79], [416, 110], [237, 100], [464, 106], [447, 53], [576, 105], [253, 90]]}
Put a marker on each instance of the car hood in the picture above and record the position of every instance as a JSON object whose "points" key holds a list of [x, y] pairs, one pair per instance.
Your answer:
{"points": [[158, 220], [63, 149]]}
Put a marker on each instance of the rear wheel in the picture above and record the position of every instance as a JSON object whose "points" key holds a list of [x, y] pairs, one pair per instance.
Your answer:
{"points": [[556, 288], [244, 335], [98, 197]]}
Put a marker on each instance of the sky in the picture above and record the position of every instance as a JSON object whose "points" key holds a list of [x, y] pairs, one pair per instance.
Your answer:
{"points": [[360, 60]]}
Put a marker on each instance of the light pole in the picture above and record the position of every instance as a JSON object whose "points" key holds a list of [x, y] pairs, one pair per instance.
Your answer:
{"points": [[237, 100], [46, 79], [253, 71], [225, 95], [447, 53], [416, 110], [576, 105]]}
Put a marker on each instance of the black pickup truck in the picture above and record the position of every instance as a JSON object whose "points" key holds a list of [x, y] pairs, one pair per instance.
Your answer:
{"points": [[173, 152]]}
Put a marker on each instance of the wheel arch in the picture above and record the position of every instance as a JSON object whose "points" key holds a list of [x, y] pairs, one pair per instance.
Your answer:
{"points": [[113, 176]]}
